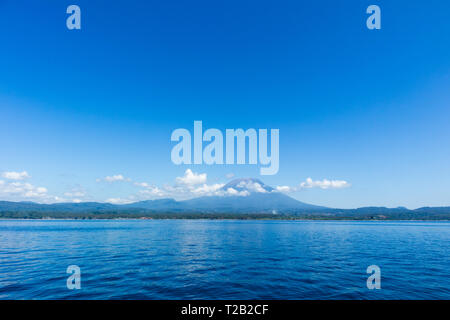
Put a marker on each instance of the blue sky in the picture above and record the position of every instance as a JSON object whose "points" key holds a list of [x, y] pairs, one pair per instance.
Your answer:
{"points": [[368, 107]]}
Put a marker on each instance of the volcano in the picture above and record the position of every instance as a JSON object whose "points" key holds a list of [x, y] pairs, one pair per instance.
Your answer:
{"points": [[248, 195]]}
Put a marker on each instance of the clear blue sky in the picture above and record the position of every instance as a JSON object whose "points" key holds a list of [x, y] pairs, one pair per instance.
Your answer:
{"points": [[369, 107]]}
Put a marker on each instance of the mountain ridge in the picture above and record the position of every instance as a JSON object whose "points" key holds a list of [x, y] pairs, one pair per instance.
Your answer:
{"points": [[239, 196]]}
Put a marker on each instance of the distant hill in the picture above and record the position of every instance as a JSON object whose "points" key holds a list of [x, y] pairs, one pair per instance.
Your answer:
{"points": [[63, 207], [239, 197]]}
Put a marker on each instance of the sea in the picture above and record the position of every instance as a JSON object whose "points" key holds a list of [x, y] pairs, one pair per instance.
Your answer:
{"points": [[224, 259]]}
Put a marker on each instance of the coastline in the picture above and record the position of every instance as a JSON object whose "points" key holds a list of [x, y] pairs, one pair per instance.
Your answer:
{"points": [[224, 219]]}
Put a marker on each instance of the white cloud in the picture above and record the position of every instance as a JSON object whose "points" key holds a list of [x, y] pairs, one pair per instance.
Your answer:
{"points": [[75, 194], [310, 183], [192, 178], [114, 178], [234, 192], [284, 189], [191, 184], [142, 184], [194, 184], [153, 191], [14, 189], [57, 199], [208, 189], [41, 190], [230, 175], [12, 175], [215, 190], [324, 184], [150, 191], [19, 190], [252, 186], [118, 201]]}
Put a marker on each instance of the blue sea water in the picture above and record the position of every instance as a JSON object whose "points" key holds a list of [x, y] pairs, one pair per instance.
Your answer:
{"points": [[224, 259]]}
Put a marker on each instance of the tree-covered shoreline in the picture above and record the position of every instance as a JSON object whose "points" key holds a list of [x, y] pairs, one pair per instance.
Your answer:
{"points": [[34, 215]]}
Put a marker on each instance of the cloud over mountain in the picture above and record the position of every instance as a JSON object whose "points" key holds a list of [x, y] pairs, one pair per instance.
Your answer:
{"points": [[191, 178]]}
